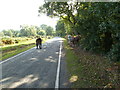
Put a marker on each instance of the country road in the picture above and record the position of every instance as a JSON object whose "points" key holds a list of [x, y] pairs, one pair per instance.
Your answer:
{"points": [[36, 68]]}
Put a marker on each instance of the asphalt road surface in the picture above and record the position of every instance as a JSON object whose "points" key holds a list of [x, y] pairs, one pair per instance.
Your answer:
{"points": [[36, 68]]}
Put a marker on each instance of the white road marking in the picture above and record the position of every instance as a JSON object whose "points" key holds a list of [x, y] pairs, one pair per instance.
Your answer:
{"points": [[58, 68], [19, 54]]}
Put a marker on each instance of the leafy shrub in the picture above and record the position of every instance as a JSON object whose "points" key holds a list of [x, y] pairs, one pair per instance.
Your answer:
{"points": [[16, 41], [9, 41], [114, 54]]}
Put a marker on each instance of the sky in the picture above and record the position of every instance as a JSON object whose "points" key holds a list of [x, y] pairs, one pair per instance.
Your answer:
{"points": [[14, 13]]}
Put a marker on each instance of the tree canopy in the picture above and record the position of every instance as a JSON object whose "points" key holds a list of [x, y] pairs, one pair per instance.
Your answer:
{"points": [[98, 23], [60, 28], [28, 31]]}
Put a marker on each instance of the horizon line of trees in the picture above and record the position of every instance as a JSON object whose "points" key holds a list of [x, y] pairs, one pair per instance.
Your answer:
{"points": [[29, 30]]}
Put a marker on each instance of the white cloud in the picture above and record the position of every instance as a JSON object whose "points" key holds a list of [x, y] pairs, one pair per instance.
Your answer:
{"points": [[14, 13]]}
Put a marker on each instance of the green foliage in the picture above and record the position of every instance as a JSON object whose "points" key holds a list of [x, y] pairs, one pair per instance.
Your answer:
{"points": [[41, 32], [14, 50], [60, 28], [98, 23], [49, 30], [43, 27], [28, 30], [1, 34], [93, 71], [6, 40], [8, 33], [99, 26], [65, 10], [114, 54]]}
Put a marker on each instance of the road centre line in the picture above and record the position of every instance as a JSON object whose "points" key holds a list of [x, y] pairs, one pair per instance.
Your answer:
{"points": [[58, 68]]}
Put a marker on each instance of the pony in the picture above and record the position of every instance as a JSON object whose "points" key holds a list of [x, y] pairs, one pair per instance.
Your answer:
{"points": [[39, 43], [75, 40]]}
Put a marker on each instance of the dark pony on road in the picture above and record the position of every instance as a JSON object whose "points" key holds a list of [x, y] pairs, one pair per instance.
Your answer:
{"points": [[39, 43]]}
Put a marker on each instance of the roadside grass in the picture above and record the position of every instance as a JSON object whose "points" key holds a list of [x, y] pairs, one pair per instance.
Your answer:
{"points": [[16, 50], [88, 70], [11, 50]]}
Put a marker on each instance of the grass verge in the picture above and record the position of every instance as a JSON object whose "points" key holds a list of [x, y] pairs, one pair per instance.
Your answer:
{"points": [[11, 50], [88, 70], [16, 50]]}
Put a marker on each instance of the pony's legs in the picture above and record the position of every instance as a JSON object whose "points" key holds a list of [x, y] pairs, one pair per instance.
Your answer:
{"points": [[40, 46], [37, 46]]}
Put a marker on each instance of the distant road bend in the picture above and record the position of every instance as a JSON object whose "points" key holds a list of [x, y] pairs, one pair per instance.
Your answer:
{"points": [[36, 68]]}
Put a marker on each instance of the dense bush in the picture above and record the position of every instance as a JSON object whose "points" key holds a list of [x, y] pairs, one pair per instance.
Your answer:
{"points": [[14, 40], [114, 54], [8, 41]]}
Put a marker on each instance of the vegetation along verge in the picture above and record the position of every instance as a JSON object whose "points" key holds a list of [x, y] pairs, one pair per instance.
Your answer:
{"points": [[88, 70], [13, 49]]}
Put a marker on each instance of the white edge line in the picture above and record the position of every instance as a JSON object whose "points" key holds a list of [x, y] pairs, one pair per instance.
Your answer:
{"points": [[15, 56], [58, 68], [19, 54]]}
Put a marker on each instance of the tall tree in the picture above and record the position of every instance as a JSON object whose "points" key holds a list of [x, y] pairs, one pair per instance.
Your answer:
{"points": [[49, 30], [27, 30], [65, 10], [60, 28], [41, 32], [8, 33], [1, 34], [98, 23], [43, 27]]}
